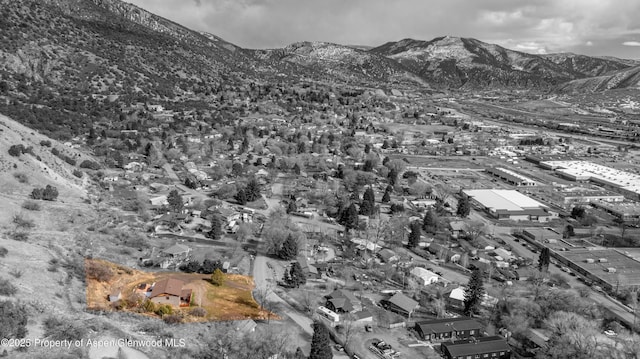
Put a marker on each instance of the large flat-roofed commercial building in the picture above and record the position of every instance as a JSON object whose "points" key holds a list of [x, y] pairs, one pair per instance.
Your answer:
{"points": [[510, 205], [608, 268], [625, 182], [510, 176], [627, 211], [568, 198]]}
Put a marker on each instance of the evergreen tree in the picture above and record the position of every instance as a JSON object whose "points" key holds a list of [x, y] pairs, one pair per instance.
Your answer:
{"points": [[464, 207], [369, 196], [439, 208], [386, 197], [245, 145], [430, 221], [216, 227], [296, 169], [209, 266], [241, 197], [368, 166], [289, 249], [414, 235], [291, 207], [296, 275], [544, 260], [393, 176], [568, 231], [366, 208], [236, 169], [474, 291], [217, 278], [252, 190], [286, 278], [320, 342], [175, 201], [349, 218]]}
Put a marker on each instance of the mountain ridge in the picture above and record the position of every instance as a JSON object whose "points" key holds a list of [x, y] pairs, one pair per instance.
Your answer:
{"points": [[170, 58]]}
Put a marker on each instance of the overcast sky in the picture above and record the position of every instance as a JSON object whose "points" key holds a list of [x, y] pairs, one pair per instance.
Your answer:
{"points": [[591, 27]]}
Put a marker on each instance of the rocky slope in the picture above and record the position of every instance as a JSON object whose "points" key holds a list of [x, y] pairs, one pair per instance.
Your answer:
{"points": [[628, 78], [470, 63], [587, 66], [337, 61]]}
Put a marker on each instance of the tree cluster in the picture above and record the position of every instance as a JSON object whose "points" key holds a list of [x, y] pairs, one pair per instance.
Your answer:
{"points": [[289, 249], [49, 193], [295, 276], [175, 201], [248, 194], [208, 266], [17, 150], [474, 293]]}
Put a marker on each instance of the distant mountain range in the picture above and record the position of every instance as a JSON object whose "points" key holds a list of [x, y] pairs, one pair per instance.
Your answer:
{"points": [[112, 46]]}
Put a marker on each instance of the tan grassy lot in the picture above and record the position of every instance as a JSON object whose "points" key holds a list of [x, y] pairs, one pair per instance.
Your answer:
{"points": [[231, 301]]}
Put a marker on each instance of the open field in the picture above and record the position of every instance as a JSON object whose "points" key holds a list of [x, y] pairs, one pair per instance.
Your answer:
{"points": [[231, 301]]}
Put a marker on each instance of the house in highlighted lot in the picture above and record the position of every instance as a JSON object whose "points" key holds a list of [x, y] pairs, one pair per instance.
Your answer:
{"points": [[170, 291]]}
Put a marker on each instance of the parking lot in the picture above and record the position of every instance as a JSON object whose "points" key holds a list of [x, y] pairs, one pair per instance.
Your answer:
{"points": [[398, 339]]}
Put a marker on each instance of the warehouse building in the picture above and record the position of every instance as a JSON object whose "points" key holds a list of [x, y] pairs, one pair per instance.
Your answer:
{"points": [[608, 268], [511, 177], [510, 205], [627, 211], [622, 181]]}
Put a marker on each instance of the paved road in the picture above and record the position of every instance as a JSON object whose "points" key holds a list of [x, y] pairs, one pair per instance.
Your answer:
{"points": [[263, 278]]}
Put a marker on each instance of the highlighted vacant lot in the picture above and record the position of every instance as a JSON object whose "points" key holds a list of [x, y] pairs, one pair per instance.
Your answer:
{"points": [[179, 297]]}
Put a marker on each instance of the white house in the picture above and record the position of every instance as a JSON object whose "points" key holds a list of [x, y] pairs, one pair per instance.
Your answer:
{"points": [[424, 276], [159, 201]]}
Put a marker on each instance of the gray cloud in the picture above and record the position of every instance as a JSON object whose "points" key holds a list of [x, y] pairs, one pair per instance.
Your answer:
{"points": [[527, 25]]}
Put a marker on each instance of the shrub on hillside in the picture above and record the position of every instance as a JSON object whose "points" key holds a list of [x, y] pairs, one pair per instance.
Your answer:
{"points": [[14, 319], [77, 173], [20, 236], [31, 205], [172, 319], [199, 312], [3, 252], [49, 193], [6, 288], [163, 310], [45, 143], [98, 271], [21, 177], [16, 150], [61, 328], [90, 165], [23, 222]]}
